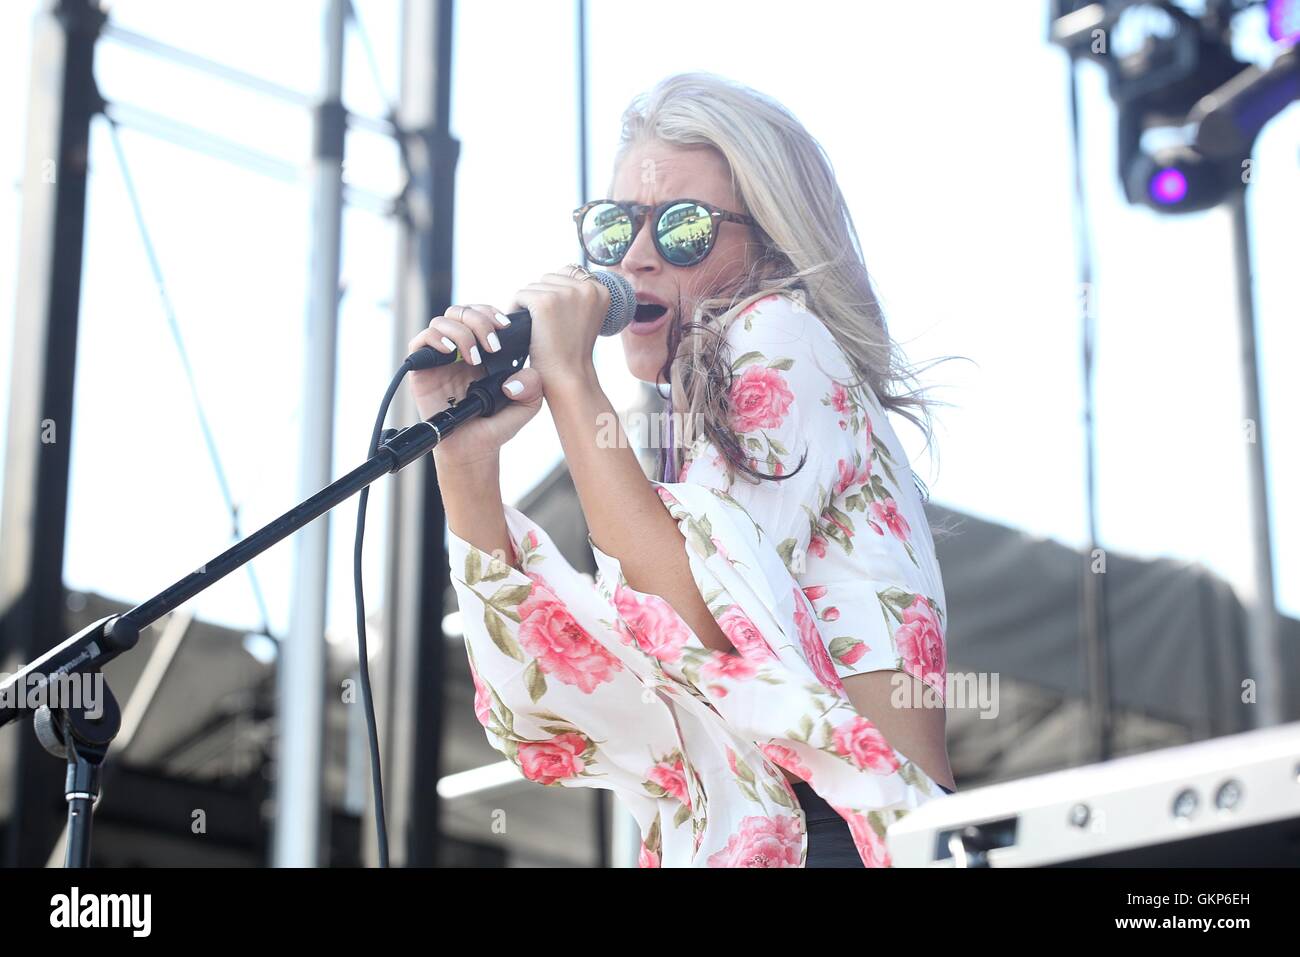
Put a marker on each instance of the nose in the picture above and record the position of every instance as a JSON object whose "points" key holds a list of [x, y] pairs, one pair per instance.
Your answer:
{"points": [[642, 258]]}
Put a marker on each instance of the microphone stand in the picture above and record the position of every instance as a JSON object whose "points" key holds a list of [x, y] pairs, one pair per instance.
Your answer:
{"points": [[66, 730]]}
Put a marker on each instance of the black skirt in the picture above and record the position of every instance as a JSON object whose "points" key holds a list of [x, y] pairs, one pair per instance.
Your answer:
{"points": [[830, 842]]}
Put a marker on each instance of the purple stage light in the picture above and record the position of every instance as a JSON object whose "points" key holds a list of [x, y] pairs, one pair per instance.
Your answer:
{"points": [[1169, 186], [1284, 20]]}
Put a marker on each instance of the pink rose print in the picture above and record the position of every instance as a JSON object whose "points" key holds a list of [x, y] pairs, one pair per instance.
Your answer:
{"points": [[831, 614], [731, 761], [666, 496], [762, 842], [546, 762], [723, 664], [531, 540], [888, 513], [672, 778], [870, 845], [846, 476], [840, 399], [787, 758], [538, 579], [760, 399], [720, 549], [813, 646], [817, 546], [846, 529], [862, 743], [744, 634], [856, 650], [656, 627], [920, 642], [813, 592], [482, 699], [561, 646], [717, 691], [647, 858]]}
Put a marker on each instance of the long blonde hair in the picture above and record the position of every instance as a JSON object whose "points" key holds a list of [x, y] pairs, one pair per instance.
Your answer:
{"points": [[809, 248]]}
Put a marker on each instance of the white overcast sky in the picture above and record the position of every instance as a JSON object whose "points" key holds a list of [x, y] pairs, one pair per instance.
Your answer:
{"points": [[947, 128]]}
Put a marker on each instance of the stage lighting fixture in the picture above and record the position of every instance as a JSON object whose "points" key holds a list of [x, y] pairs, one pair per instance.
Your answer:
{"points": [[1171, 68], [1228, 120], [1158, 56], [1284, 20], [1152, 47], [1176, 180], [1168, 186]]}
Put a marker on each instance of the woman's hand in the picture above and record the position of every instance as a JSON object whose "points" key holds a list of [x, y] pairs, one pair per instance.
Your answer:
{"points": [[567, 313], [472, 330]]}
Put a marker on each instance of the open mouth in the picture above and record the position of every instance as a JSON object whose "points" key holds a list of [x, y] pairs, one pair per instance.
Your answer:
{"points": [[648, 312]]}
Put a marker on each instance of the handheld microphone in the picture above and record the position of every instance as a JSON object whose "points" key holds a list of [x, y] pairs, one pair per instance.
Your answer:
{"points": [[484, 397], [514, 338]]}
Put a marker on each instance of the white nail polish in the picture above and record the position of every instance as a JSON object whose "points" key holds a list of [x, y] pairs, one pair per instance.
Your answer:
{"points": [[448, 343], [502, 320], [514, 387], [493, 342], [474, 357]]}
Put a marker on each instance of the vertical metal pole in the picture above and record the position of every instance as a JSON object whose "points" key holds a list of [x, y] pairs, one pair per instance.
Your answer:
{"points": [[412, 669], [301, 667], [580, 12], [1264, 631], [62, 100], [1093, 622]]}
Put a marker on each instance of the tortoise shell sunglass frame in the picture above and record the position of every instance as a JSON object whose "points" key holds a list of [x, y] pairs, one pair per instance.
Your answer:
{"points": [[688, 247]]}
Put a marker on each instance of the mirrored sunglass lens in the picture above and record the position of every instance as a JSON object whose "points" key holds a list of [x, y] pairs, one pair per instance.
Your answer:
{"points": [[685, 233], [606, 233]]}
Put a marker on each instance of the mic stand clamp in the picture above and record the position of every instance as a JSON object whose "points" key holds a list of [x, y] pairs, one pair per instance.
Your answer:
{"points": [[69, 732]]}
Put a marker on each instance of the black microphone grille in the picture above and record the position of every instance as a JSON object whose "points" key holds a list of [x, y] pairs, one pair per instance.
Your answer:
{"points": [[622, 302]]}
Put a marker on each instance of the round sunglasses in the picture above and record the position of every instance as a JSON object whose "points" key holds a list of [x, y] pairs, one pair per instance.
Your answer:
{"points": [[684, 229]]}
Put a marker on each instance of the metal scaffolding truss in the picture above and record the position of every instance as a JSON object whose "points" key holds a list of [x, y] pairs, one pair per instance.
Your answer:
{"points": [[64, 100]]}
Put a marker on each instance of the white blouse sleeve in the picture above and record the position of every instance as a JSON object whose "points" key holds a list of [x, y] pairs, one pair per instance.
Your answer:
{"points": [[564, 696]]}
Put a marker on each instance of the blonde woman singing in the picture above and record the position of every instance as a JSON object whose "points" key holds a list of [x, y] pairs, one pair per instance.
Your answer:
{"points": [[758, 673]]}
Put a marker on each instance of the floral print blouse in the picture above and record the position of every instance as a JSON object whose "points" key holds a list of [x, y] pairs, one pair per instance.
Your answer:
{"points": [[829, 573]]}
